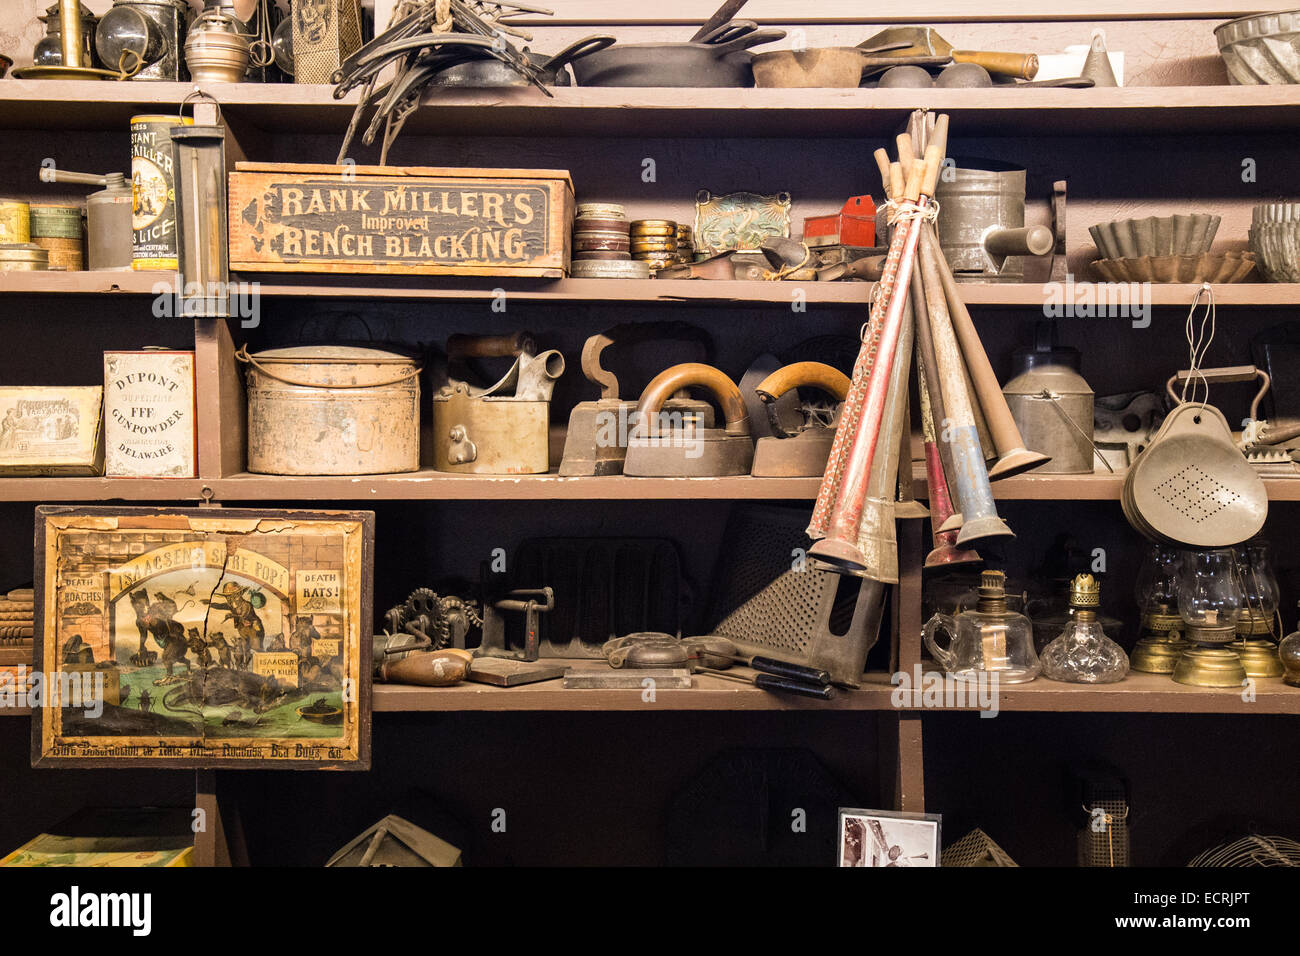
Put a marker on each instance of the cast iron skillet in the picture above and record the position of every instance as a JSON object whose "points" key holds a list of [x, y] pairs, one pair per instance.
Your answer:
{"points": [[704, 64], [489, 71]]}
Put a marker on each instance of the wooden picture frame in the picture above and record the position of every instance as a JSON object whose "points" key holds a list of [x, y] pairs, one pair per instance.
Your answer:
{"points": [[224, 637]]}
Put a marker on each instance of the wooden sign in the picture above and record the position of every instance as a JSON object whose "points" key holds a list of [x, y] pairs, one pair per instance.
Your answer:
{"points": [[149, 415], [401, 220], [178, 638]]}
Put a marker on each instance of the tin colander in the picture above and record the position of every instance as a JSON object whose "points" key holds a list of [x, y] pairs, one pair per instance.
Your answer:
{"points": [[1192, 486]]}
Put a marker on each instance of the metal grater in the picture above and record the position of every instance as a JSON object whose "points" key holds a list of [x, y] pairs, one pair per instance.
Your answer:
{"points": [[770, 600], [325, 33]]}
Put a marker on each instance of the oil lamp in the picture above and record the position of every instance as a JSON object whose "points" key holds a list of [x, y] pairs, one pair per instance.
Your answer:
{"points": [[991, 639], [1083, 654], [1255, 624], [1209, 603], [1159, 642], [1289, 651]]}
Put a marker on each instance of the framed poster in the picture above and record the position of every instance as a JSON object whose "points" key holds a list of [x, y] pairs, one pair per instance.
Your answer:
{"points": [[213, 637], [882, 838]]}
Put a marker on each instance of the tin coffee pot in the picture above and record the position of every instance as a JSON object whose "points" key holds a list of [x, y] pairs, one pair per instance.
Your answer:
{"points": [[144, 38], [989, 640]]}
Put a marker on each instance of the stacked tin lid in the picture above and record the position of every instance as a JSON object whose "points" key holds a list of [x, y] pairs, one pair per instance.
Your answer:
{"points": [[602, 245], [685, 243]]}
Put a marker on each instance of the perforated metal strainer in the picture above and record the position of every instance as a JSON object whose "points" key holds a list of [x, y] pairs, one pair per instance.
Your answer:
{"points": [[1192, 486]]}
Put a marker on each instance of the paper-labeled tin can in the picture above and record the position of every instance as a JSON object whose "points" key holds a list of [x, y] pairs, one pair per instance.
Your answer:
{"points": [[15, 221], [153, 192], [58, 230]]}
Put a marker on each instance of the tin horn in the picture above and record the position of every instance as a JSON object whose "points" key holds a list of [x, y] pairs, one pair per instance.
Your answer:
{"points": [[974, 495], [842, 499], [1013, 456], [945, 551]]}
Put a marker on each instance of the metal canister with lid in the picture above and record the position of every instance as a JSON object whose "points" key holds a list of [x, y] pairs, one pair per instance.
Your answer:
{"points": [[332, 410], [153, 192], [23, 257], [58, 229]]}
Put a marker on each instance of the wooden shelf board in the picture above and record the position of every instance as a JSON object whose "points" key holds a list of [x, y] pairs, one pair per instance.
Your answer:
{"points": [[582, 111], [435, 485], [1139, 693], [100, 489], [116, 282], [708, 693], [670, 291]]}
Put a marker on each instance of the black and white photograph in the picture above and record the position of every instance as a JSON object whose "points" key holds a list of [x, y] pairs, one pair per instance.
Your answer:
{"points": [[878, 838]]}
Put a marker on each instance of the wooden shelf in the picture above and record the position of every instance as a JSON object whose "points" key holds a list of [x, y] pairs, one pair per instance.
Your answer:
{"points": [[709, 693], [607, 112], [1140, 694], [669, 291], [1137, 693], [101, 489], [431, 485], [435, 485]]}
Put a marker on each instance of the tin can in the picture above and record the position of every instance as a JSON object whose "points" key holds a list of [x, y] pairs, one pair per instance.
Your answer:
{"points": [[23, 257], [153, 192], [15, 221], [332, 410], [58, 230]]}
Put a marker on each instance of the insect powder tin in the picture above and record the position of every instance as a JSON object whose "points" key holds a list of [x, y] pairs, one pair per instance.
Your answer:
{"points": [[153, 192]]}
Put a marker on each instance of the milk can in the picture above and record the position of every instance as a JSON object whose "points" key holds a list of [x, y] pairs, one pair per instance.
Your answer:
{"points": [[332, 410]]}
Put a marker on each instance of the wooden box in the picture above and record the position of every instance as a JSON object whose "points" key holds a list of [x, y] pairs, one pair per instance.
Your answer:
{"points": [[52, 431], [149, 415], [400, 220]]}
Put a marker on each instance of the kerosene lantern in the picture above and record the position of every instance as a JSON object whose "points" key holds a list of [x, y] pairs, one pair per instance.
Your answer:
{"points": [[1083, 654], [1160, 642], [987, 640], [1255, 624], [1209, 603], [1289, 652]]}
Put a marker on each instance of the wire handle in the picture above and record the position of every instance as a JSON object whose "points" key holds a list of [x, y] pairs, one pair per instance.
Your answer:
{"points": [[243, 356]]}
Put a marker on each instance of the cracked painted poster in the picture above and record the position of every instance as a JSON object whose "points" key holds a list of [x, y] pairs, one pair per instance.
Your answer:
{"points": [[202, 638]]}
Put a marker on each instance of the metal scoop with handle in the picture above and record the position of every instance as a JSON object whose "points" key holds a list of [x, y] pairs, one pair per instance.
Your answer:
{"points": [[1192, 486]]}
